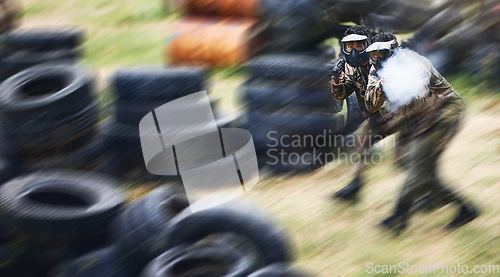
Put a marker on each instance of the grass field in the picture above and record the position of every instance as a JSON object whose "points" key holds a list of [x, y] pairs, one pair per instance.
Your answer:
{"points": [[329, 238]]}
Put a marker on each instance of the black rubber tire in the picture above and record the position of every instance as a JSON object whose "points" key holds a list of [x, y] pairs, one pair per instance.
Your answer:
{"points": [[289, 67], [445, 60], [36, 206], [119, 131], [69, 89], [47, 254], [482, 62], [284, 7], [42, 40], [354, 115], [126, 160], [202, 260], [190, 227], [92, 155], [322, 51], [295, 34], [11, 257], [137, 229], [350, 10], [315, 124], [20, 127], [387, 23], [9, 160], [21, 60], [277, 270], [101, 263], [296, 25], [411, 10], [276, 95], [401, 16], [131, 112], [125, 145], [163, 84], [7, 169], [58, 139], [439, 25]]}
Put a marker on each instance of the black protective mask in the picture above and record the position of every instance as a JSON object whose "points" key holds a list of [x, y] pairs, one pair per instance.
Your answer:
{"points": [[357, 58]]}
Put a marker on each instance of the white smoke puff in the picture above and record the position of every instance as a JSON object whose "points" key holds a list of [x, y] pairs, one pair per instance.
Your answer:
{"points": [[405, 77]]}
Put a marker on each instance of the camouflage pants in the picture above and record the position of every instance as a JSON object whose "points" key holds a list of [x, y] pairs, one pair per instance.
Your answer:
{"points": [[422, 157], [365, 136], [368, 134]]}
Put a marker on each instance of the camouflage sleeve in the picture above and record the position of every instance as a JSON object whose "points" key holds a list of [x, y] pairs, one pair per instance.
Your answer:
{"points": [[375, 96], [341, 92]]}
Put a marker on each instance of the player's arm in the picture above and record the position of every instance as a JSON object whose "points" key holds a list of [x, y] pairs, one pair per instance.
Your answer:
{"points": [[375, 96], [344, 88]]}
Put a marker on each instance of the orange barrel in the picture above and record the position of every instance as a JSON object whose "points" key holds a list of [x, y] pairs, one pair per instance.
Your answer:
{"points": [[244, 8], [214, 41]]}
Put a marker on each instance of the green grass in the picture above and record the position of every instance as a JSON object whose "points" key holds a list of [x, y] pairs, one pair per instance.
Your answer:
{"points": [[329, 238], [123, 47]]}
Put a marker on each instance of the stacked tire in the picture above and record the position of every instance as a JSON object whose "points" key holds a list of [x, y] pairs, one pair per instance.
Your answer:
{"points": [[49, 116], [48, 217], [159, 236], [137, 92], [227, 240], [22, 49], [287, 99], [400, 16], [456, 41], [294, 26]]}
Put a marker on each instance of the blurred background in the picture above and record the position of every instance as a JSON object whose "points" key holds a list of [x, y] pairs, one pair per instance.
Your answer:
{"points": [[265, 64]]}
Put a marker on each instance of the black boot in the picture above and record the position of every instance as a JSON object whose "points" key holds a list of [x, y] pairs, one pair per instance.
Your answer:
{"points": [[395, 223], [466, 214], [398, 221], [349, 192], [425, 203]]}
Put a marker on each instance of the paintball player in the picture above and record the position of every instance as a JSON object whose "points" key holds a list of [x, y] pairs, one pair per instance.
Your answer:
{"points": [[354, 78], [355, 74], [429, 121]]}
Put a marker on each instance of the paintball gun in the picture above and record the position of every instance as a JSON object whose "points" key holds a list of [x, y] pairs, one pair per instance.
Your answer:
{"points": [[337, 70]]}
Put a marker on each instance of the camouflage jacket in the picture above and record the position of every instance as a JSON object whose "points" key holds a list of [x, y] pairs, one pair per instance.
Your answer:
{"points": [[439, 101], [356, 79]]}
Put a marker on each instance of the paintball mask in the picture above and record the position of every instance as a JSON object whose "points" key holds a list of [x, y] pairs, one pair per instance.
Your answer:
{"points": [[355, 57], [381, 51]]}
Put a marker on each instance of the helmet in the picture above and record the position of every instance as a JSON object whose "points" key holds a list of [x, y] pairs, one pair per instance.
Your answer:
{"points": [[355, 57], [381, 51]]}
